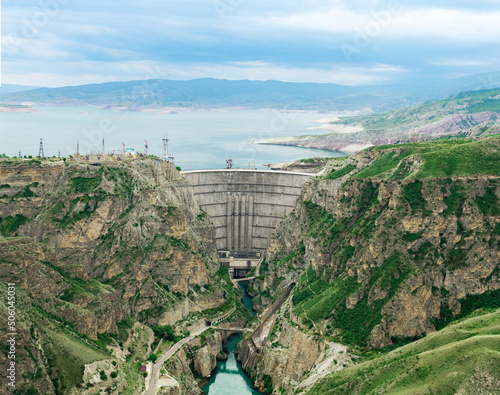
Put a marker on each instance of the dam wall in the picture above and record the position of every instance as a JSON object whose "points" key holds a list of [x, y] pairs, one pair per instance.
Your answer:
{"points": [[246, 205]]}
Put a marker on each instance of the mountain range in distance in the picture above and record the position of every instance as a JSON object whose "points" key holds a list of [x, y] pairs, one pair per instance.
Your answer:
{"points": [[12, 88], [208, 93]]}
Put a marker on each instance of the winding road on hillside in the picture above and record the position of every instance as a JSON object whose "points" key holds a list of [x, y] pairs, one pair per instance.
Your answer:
{"points": [[155, 375]]}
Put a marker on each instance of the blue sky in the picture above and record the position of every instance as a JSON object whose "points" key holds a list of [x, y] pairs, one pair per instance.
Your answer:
{"points": [[356, 42]]}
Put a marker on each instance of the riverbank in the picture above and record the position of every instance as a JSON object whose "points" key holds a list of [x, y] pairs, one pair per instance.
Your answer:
{"points": [[229, 376]]}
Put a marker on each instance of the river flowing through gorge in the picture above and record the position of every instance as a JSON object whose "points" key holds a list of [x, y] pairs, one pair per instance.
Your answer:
{"points": [[229, 377]]}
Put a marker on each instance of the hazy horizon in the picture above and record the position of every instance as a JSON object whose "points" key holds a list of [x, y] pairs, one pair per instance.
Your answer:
{"points": [[57, 43]]}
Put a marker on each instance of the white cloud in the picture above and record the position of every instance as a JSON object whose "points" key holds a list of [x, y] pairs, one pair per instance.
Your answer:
{"points": [[24, 48], [453, 25], [396, 23], [299, 41], [458, 62]]}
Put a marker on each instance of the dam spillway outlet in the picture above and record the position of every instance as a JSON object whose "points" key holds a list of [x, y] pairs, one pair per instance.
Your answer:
{"points": [[245, 206]]}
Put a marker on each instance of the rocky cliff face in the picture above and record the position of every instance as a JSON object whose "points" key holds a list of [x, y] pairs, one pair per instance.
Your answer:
{"points": [[294, 359], [195, 362], [377, 262], [89, 247]]}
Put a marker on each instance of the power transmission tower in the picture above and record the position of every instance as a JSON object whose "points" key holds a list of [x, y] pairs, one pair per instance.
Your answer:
{"points": [[40, 150], [103, 151], [77, 150], [164, 154], [145, 147]]}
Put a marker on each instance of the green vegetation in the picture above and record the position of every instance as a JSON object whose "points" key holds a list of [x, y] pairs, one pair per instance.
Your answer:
{"points": [[23, 193], [78, 288], [455, 200], [166, 332], [488, 203], [462, 358], [124, 183], [70, 356], [335, 174], [441, 158], [9, 224], [152, 357], [321, 222], [384, 165], [82, 207], [412, 193], [84, 184], [412, 236], [357, 323], [268, 384], [486, 300]]}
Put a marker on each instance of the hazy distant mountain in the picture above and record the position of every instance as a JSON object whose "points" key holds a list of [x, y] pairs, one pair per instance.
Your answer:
{"points": [[10, 88], [212, 93], [475, 82], [216, 93]]}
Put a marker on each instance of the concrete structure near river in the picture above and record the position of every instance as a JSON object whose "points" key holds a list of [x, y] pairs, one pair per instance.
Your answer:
{"points": [[246, 206]]}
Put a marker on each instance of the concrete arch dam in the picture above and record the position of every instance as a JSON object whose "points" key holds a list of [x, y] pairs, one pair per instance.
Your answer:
{"points": [[246, 206]]}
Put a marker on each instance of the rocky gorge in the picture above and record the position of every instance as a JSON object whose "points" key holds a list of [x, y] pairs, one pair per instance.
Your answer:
{"points": [[100, 255], [112, 267], [382, 256]]}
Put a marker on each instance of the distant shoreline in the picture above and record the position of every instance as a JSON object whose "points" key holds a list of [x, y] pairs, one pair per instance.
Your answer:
{"points": [[19, 109]]}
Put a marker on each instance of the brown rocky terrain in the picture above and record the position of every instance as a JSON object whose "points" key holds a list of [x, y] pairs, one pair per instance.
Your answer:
{"points": [[91, 248]]}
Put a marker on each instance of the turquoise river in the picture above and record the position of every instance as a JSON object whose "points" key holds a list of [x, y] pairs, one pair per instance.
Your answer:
{"points": [[229, 378]]}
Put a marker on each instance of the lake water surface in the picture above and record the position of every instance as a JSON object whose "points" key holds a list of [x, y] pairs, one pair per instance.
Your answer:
{"points": [[198, 139]]}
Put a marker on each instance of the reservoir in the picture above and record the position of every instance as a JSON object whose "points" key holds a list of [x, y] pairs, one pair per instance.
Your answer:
{"points": [[229, 378], [197, 139]]}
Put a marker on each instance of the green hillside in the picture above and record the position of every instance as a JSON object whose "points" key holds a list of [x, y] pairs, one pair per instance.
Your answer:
{"points": [[462, 358], [430, 112], [441, 158]]}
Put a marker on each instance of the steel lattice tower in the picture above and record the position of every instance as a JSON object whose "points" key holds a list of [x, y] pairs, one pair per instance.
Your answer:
{"points": [[164, 154], [40, 150]]}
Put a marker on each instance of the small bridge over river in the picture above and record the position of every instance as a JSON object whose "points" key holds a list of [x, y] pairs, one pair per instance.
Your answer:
{"points": [[230, 330]]}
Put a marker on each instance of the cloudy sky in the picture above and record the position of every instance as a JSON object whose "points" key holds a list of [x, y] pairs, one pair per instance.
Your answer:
{"points": [[351, 42]]}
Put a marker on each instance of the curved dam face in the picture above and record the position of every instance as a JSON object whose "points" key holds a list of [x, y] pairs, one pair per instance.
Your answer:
{"points": [[246, 205]]}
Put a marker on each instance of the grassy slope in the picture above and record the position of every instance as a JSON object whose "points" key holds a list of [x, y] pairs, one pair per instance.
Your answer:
{"points": [[71, 356], [464, 356], [441, 158]]}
